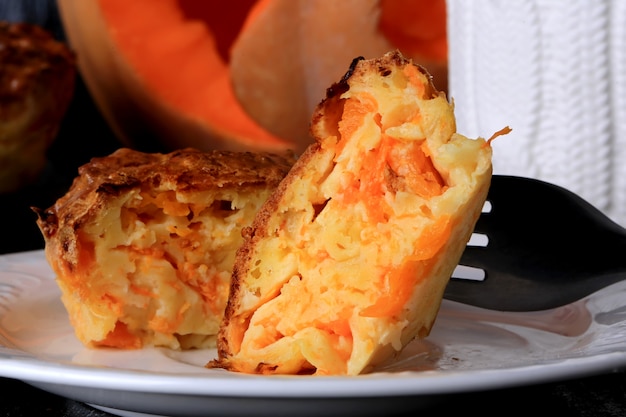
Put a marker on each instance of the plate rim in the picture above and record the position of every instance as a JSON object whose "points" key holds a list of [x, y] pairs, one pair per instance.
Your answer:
{"points": [[22, 365], [382, 384]]}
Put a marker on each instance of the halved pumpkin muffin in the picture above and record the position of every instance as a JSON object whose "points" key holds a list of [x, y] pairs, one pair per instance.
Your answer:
{"points": [[348, 259], [143, 244]]}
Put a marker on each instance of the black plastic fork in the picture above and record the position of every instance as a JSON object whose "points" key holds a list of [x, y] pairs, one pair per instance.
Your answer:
{"points": [[547, 247]]}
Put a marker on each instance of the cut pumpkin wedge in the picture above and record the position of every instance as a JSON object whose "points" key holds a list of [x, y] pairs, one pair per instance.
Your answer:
{"points": [[158, 72]]}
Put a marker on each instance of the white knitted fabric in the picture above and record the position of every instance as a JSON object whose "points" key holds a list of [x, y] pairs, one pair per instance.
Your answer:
{"points": [[555, 72]]}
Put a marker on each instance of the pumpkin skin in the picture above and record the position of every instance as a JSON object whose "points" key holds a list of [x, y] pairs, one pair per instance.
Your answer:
{"points": [[190, 73], [181, 102]]}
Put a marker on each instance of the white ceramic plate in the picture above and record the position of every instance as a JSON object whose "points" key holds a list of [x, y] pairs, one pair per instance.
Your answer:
{"points": [[469, 349]]}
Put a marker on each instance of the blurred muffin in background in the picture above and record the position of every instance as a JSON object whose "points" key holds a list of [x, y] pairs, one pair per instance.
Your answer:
{"points": [[37, 76]]}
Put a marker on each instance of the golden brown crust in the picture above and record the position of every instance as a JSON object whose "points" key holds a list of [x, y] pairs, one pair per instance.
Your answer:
{"points": [[186, 170], [36, 87]]}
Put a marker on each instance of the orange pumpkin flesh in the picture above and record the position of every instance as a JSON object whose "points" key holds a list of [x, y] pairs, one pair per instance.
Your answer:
{"points": [[174, 52], [224, 18], [158, 72], [416, 27]]}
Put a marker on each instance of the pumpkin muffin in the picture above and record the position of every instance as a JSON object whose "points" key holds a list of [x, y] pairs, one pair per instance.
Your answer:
{"points": [[348, 259], [37, 75], [143, 244]]}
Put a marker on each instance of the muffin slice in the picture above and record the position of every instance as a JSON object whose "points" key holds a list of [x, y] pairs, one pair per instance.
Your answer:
{"points": [[348, 259], [143, 244]]}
